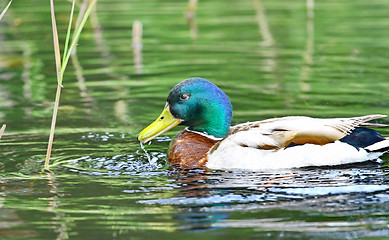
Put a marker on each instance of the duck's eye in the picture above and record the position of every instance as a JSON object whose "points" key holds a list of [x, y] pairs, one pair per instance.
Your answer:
{"points": [[184, 96]]}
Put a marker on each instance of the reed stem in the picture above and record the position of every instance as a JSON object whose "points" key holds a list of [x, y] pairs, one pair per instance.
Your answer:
{"points": [[57, 54], [5, 10], [2, 129], [62, 66]]}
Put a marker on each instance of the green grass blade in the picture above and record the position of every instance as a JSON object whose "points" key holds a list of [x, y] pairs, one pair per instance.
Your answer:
{"points": [[68, 32], [5, 10], [83, 7], [81, 13], [77, 35]]}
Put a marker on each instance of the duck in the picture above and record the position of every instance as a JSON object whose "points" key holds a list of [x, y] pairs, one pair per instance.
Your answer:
{"points": [[210, 142]]}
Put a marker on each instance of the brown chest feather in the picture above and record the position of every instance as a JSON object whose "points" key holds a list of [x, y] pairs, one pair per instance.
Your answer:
{"points": [[189, 149]]}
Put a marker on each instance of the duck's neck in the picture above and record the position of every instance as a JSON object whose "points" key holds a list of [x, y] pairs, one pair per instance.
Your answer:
{"points": [[213, 119], [189, 149]]}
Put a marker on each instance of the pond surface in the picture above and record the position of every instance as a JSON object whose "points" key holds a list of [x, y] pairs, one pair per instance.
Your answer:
{"points": [[272, 58]]}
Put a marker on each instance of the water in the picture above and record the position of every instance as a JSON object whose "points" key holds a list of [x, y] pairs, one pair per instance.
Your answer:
{"points": [[268, 56]]}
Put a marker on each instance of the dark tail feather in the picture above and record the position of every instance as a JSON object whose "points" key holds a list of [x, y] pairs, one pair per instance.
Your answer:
{"points": [[363, 137]]}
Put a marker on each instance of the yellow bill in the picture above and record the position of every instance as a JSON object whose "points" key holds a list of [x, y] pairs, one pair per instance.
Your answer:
{"points": [[164, 123]]}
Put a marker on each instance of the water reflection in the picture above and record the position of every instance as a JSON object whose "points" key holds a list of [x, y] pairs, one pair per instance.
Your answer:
{"points": [[59, 218], [190, 16], [281, 201], [137, 46], [263, 24], [320, 203], [306, 69]]}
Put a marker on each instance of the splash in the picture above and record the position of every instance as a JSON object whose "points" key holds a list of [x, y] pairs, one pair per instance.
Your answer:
{"points": [[151, 161]]}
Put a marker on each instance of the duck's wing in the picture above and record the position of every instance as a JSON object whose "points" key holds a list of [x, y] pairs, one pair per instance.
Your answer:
{"points": [[301, 130], [260, 139]]}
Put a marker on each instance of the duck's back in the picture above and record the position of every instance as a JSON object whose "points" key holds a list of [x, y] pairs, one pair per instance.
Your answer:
{"points": [[294, 142]]}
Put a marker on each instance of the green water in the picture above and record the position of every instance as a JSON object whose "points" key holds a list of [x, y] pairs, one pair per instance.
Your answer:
{"points": [[270, 57]]}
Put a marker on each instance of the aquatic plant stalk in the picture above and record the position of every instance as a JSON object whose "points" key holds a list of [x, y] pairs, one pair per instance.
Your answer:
{"points": [[5, 10], [58, 94], [61, 66], [2, 130]]}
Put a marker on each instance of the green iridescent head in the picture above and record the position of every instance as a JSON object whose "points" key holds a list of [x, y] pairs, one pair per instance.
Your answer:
{"points": [[202, 106], [196, 103]]}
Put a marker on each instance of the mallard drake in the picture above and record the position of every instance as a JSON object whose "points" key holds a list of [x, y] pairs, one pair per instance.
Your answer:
{"points": [[286, 142]]}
